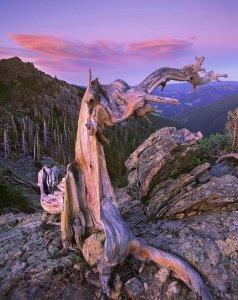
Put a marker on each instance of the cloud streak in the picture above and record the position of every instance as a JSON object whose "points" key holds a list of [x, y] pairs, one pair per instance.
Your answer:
{"points": [[59, 54]]}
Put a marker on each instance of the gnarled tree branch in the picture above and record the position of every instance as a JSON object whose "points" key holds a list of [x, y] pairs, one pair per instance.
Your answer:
{"points": [[232, 155]]}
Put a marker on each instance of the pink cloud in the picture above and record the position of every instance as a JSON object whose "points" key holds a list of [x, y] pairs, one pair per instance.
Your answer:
{"points": [[159, 43], [58, 53], [59, 49], [160, 48]]}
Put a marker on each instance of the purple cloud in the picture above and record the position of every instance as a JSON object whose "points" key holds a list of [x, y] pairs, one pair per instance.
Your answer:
{"points": [[59, 54]]}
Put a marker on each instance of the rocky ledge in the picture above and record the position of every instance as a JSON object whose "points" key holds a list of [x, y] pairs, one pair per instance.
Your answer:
{"points": [[34, 266], [191, 212]]}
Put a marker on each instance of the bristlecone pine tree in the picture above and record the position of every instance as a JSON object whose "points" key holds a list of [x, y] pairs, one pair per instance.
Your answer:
{"points": [[85, 197]]}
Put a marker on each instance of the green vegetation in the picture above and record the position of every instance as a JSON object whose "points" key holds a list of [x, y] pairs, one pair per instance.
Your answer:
{"points": [[4, 92], [209, 149]]}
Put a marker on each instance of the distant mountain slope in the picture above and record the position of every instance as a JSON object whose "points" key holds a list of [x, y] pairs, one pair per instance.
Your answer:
{"points": [[38, 118], [36, 112], [209, 119], [189, 99], [22, 82]]}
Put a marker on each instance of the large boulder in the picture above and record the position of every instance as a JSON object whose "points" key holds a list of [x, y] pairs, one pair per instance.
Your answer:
{"points": [[166, 153], [186, 196]]}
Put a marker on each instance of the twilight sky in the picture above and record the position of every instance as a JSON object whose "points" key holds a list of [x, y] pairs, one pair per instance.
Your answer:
{"points": [[119, 39]]}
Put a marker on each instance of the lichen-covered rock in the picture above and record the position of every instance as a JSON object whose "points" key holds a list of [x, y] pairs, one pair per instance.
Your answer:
{"points": [[208, 242], [196, 212], [187, 195], [220, 169], [165, 153], [162, 275], [33, 264], [134, 288], [173, 289]]}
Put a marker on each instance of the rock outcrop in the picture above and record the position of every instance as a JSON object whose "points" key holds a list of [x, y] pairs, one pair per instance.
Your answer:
{"points": [[191, 212], [167, 152], [33, 264], [187, 196], [208, 242]]}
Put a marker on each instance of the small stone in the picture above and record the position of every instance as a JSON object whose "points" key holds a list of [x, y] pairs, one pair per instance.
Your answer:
{"points": [[93, 280], [162, 275], [93, 248], [134, 287], [77, 267], [173, 289], [98, 293], [117, 284], [180, 216], [220, 170], [18, 253], [146, 286], [87, 273], [52, 250], [204, 177], [142, 267]]}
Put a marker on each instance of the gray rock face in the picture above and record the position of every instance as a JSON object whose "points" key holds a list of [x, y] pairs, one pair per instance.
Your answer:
{"points": [[165, 153], [186, 196], [134, 288], [33, 264], [207, 241], [220, 169], [194, 212]]}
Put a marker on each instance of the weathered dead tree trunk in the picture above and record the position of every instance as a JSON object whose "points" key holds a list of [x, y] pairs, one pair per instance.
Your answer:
{"points": [[232, 127], [89, 201]]}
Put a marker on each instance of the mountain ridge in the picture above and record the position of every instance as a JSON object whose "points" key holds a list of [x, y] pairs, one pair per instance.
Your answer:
{"points": [[189, 99], [209, 119]]}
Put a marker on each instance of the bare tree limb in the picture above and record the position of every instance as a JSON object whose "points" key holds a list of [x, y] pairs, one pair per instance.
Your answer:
{"points": [[232, 155]]}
